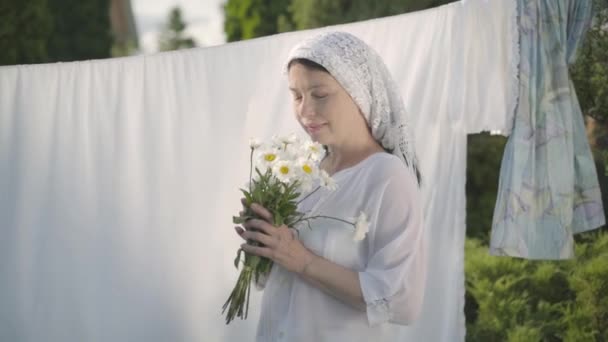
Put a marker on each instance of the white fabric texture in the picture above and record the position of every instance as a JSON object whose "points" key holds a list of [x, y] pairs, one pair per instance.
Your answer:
{"points": [[363, 74], [390, 260], [119, 177]]}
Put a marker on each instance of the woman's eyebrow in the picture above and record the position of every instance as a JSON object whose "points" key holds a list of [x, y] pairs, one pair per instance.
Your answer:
{"points": [[311, 87]]}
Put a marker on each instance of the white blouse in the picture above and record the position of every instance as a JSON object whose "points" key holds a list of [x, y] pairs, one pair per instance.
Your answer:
{"points": [[390, 260]]}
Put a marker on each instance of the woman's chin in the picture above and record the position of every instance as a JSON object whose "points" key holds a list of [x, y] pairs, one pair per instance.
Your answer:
{"points": [[318, 138]]}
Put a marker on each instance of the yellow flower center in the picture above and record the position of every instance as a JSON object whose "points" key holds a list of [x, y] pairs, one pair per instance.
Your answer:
{"points": [[270, 157], [284, 170], [307, 168]]}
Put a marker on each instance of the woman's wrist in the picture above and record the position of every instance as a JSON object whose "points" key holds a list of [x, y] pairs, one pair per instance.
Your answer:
{"points": [[334, 279], [305, 270]]}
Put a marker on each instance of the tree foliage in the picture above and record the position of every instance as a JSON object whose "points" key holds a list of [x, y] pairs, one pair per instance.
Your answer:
{"points": [[484, 155], [24, 31], [246, 19], [590, 78], [590, 71], [316, 13], [41, 31], [173, 36], [81, 30]]}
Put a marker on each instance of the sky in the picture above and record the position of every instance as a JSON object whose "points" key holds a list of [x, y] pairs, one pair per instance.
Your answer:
{"points": [[204, 20]]}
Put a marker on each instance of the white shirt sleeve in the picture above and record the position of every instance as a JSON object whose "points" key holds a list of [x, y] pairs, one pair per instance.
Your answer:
{"points": [[394, 278]]}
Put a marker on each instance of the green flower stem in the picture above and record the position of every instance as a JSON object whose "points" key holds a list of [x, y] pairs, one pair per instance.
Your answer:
{"points": [[323, 216], [250, 167], [238, 301], [305, 197]]}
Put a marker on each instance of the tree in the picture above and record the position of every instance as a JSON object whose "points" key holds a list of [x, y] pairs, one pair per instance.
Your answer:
{"points": [[246, 19], [590, 71], [24, 31], [81, 30], [40, 31], [484, 155], [317, 13], [173, 36], [590, 78]]}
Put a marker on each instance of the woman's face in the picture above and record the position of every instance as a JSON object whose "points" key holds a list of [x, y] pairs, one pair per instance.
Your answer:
{"points": [[324, 109]]}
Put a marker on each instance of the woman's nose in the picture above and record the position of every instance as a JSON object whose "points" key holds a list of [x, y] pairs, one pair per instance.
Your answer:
{"points": [[307, 109]]}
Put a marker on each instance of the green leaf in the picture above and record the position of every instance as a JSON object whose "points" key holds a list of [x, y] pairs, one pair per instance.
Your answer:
{"points": [[242, 219], [248, 197], [238, 258], [278, 219]]}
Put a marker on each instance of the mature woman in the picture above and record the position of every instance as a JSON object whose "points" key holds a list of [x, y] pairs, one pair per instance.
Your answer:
{"points": [[325, 285]]}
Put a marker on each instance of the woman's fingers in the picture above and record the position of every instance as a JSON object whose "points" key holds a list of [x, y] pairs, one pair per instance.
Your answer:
{"points": [[240, 231], [263, 212], [266, 240], [260, 225], [257, 208], [261, 251], [252, 235]]}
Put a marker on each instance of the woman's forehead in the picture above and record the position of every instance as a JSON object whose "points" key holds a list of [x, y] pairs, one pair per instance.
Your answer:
{"points": [[301, 76]]}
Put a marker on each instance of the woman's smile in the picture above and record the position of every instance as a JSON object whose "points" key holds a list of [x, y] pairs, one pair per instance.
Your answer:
{"points": [[314, 128]]}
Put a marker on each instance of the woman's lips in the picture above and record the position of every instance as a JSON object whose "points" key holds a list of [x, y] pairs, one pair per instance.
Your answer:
{"points": [[314, 128]]}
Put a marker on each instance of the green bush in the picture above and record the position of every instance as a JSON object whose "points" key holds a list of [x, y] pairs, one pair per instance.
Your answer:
{"points": [[484, 155], [521, 300]]}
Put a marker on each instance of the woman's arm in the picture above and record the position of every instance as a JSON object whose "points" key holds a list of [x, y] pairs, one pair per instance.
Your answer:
{"points": [[284, 249], [336, 280]]}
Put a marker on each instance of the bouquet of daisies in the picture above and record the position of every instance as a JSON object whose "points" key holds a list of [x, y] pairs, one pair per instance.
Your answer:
{"points": [[284, 168]]}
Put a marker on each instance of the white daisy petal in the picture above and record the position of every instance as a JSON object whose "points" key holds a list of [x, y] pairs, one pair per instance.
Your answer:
{"points": [[254, 143], [313, 150], [361, 227], [327, 182]]}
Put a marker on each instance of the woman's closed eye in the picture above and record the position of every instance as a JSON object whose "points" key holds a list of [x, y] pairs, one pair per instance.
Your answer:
{"points": [[298, 98]]}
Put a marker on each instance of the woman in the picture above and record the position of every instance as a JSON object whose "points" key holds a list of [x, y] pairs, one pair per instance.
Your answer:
{"points": [[325, 285]]}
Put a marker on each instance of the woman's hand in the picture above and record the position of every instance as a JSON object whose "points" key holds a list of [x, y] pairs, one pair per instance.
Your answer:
{"points": [[280, 244], [282, 247]]}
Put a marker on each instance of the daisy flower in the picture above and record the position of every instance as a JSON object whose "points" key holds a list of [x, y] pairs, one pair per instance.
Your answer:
{"points": [[254, 143], [307, 172], [307, 168], [361, 227], [326, 181], [290, 152], [313, 150], [284, 170], [267, 158], [282, 141], [291, 139]]}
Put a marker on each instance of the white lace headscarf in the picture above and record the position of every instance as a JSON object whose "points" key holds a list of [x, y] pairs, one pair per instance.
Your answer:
{"points": [[363, 74]]}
